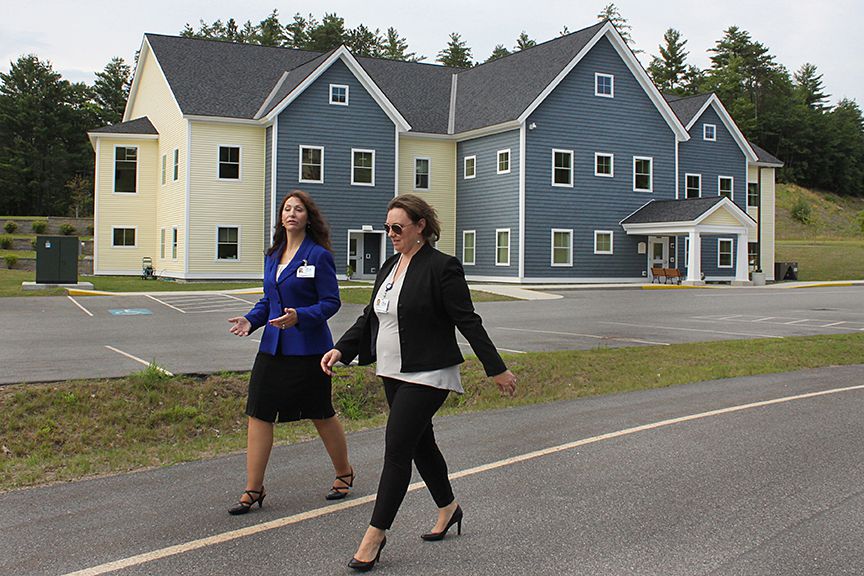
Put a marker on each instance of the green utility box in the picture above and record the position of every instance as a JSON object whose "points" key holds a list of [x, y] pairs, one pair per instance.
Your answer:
{"points": [[57, 259]]}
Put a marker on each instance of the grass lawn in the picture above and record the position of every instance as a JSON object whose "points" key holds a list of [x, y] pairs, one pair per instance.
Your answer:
{"points": [[824, 259], [65, 431]]}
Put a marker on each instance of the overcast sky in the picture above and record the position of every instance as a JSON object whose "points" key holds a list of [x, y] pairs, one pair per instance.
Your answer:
{"points": [[79, 37]]}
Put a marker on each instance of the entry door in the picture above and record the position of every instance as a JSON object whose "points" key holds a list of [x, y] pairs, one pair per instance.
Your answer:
{"points": [[658, 253], [371, 253]]}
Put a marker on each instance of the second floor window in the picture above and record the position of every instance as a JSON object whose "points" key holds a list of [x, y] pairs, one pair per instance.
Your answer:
{"points": [[229, 162], [421, 173], [603, 164], [470, 167], [363, 167], [642, 174], [753, 194], [311, 164], [503, 161], [126, 169], [724, 186], [693, 186], [562, 168]]}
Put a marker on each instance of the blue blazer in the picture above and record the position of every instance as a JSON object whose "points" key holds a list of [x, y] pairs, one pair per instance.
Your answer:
{"points": [[315, 299]]}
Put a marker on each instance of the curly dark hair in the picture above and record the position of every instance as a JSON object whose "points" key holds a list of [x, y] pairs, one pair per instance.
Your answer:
{"points": [[316, 225]]}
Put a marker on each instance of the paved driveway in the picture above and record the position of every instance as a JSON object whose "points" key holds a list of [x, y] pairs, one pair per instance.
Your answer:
{"points": [[57, 338]]}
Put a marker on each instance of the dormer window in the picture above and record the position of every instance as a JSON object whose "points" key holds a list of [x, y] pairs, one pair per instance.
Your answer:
{"points": [[709, 132], [339, 94], [604, 85]]}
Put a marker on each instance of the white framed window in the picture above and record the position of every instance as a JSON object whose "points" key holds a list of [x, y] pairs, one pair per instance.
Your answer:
{"points": [[339, 94], [503, 161], [604, 164], [709, 132], [643, 174], [604, 85], [724, 252], [562, 168], [469, 167], [692, 186], [362, 167], [124, 236], [725, 186], [164, 167], [502, 247], [125, 169], [176, 161], [753, 194], [229, 163], [562, 247], [421, 173], [469, 247], [162, 242], [603, 242], [175, 239], [311, 165], [227, 242]]}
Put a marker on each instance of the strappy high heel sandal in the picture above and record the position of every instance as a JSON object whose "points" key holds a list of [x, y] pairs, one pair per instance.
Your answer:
{"points": [[255, 496], [340, 492]]}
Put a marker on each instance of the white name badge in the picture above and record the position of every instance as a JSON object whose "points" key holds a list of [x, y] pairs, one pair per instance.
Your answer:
{"points": [[381, 305], [306, 271]]}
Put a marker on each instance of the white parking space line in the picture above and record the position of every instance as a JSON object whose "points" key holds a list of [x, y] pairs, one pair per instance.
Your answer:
{"points": [[468, 346], [656, 327], [799, 321], [764, 319], [136, 359], [236, 298], [166, 304], [593, 336], [833, 324], [80, 306], [224, 537], [782, 321]]}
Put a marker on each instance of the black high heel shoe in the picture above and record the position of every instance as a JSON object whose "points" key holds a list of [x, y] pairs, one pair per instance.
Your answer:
{"points": [[256, 496], [340, 492], [456, 518], [361, 566]]}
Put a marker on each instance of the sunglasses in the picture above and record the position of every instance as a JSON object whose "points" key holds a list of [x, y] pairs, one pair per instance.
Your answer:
{"points": [[397, 228]]}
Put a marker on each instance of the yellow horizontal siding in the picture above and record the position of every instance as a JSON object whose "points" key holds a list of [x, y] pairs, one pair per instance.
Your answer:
{"points": [[125, 210], [767, 225], [214, 202], [721, 218], [155, 100], [442, 181]]}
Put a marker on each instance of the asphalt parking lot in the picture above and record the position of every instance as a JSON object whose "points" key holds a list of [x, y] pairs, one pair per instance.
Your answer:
{"points": [[58, 338]]}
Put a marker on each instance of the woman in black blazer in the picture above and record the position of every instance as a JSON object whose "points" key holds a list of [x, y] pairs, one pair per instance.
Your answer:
{"points": [[408, 328]]}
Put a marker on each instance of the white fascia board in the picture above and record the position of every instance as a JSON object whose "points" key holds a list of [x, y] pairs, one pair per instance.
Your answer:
{"points": [[489, 130], [94, 136], [608, 31], [221, 120], [343, 54], [271, 95], [729, 123], [658, 228]]}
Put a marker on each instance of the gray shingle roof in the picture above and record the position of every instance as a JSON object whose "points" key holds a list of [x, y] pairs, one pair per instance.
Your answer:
{"points": [[658, 211], [293, 79], [501, 90], [764, 156], [686, 107], [137, 126]]}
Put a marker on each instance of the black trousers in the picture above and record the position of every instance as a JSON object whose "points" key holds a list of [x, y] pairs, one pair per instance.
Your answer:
{"points": [[409, 437]]}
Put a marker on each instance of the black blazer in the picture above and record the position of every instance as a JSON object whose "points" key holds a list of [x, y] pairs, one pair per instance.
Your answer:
{"points": [[434, 300]]}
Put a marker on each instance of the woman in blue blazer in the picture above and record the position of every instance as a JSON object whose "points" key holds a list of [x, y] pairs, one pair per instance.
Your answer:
{"points": [[300, 294]]}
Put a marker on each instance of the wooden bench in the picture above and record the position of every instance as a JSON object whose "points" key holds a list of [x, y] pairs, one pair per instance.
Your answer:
{"points": [[667, 274]]}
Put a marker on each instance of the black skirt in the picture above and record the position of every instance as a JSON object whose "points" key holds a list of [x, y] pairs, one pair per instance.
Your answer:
{"points": [[288, 388]]}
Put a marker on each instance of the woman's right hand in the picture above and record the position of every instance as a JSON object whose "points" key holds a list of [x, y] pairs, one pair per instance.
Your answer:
{"points": [[240, 326], [329, 359]]}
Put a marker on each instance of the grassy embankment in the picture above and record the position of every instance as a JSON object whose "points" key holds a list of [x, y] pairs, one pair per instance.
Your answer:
{"points": [[828, 247]]}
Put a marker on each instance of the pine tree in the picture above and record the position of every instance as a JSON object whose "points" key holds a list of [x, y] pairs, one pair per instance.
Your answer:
{"points": [[808, 84], [328, 35], [364, 42], [270, 31], [396, 48], [457, 54], [611, 13], [498, 52], [111, 90], [669, 69], [523, 42]]}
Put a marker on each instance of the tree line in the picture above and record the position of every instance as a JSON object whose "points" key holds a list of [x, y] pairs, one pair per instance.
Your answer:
{"points": [[46, 161]]}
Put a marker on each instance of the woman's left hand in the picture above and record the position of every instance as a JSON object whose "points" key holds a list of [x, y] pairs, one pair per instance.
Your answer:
{"points": [[506, 382], [286, 320]]}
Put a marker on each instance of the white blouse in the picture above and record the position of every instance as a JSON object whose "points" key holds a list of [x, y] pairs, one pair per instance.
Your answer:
{"points": [[389, 363]]}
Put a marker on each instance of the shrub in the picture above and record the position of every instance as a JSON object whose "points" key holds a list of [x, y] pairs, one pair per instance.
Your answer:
{"points": [[39, 226], [33, 243], [90, 230], [801, 211], [10, 261], [5, 242], [67, 229], [10, 227], [860, 219]]}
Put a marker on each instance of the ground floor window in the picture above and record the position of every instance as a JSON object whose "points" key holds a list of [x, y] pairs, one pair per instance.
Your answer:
{"points": [[562, 247], [174, 240], [724, 252], [469, 238], [162, 243], [603, 242], [123, 237], [502, 247], [227, 243], [753, 255]]}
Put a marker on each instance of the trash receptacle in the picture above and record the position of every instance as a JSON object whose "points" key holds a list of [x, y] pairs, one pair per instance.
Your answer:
{"points": [[785, 271], [57, 259]]}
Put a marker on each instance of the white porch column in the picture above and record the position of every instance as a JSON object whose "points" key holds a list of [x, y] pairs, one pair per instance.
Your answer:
{"points": [[694, 258], [742, 268]]}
